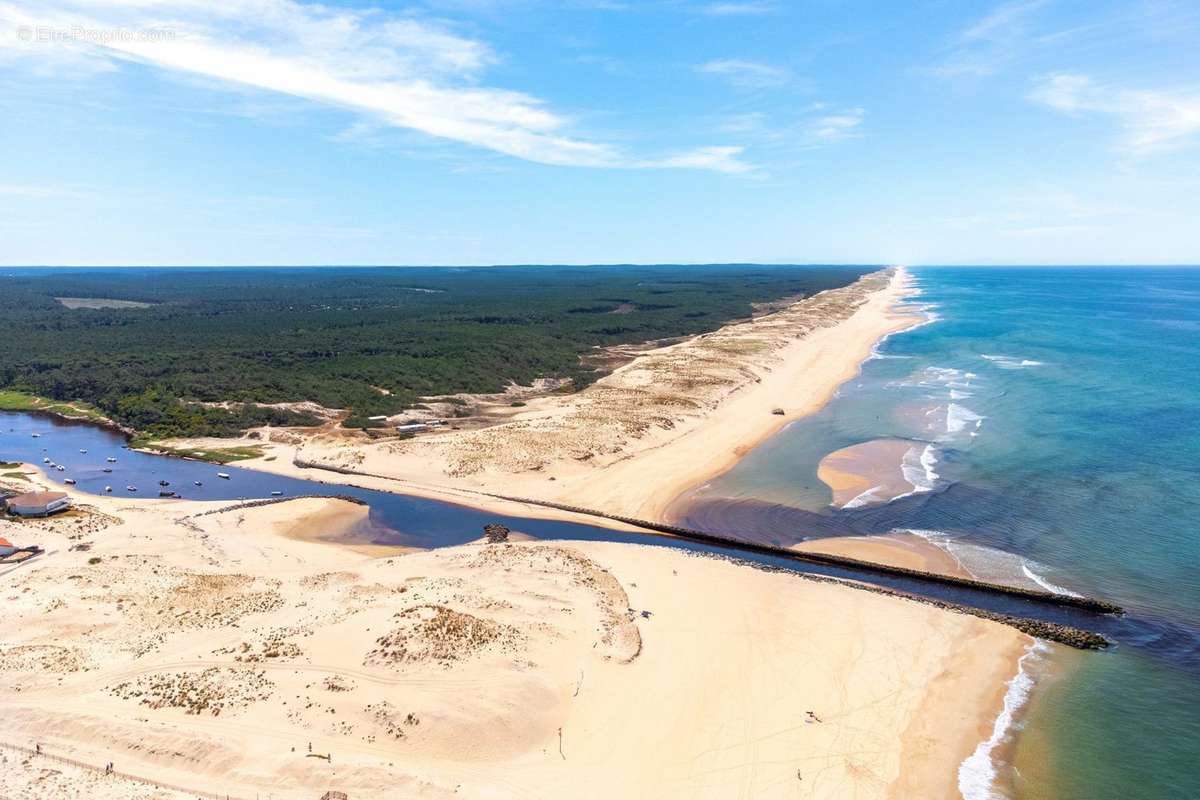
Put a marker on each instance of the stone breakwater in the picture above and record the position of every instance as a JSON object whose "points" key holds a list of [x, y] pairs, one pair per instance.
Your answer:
{"points": [[1050, 631], [270, 501], [1053, 631]]}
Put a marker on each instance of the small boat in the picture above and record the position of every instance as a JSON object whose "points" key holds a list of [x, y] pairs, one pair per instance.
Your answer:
{"points": [[107, 469], [45, 461], [108, 488], [276, 494], [83, 451], [131, 488], [224, 475], [164, 483], [69, 480], [198, 483], [165, 493], [60, 468], [36, 435], [112, 460]]}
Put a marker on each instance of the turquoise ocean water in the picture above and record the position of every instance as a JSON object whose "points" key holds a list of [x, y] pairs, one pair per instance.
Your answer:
{"points": [[1055, 420]]}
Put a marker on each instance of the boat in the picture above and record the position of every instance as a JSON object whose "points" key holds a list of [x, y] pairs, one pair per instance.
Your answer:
{"points": [[60, 468], [112, 460], [276, 494], [108, 488], [164, 483], [165, 493], [224, 475], [69, 480], [45, 461], [36, 435], [198, 483], [83, 451], [107, 469], [131, 488]]}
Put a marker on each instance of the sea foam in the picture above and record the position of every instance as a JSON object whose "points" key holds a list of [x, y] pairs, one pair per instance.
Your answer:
{"points": [[958, 417], [861, 500], [977, 773], [1009, 362], [1045, 584], [918, 468], [930, 317]]}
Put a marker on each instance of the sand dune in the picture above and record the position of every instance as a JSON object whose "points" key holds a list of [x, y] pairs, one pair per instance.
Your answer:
{"points": [[635, 440], [209, 650]]}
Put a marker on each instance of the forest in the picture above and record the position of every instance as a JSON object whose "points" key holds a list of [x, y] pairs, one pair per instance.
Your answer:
{"points": [[368, 340]]}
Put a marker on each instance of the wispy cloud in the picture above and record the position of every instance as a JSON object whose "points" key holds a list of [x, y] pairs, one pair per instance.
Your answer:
{"points": [[835, 127], [1151, 120], [991, 42], [748, 74], [395, 70], [720, 159], [734, 9]]}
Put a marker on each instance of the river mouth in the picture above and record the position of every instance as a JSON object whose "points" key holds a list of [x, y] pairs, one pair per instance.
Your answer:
{"points": [[401, 520]]}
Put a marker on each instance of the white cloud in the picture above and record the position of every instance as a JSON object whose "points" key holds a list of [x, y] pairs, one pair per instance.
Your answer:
{"points": [[720, 159], [750, 74], [394, 70], [992, 42], [835, 127], [1151, 120], [737, 9]]}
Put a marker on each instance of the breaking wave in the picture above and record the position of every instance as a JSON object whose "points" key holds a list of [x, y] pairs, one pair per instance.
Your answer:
{"points": [[959, 417], [977, 773], [918, 468], [1009, 362], [1045, 584]]}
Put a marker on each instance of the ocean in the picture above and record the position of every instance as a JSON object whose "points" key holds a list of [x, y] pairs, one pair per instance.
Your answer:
{"points": [[1054, 416]]}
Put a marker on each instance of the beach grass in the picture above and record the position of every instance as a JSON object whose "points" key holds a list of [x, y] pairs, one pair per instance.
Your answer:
{"points": [[216, 455], [12, 400]]}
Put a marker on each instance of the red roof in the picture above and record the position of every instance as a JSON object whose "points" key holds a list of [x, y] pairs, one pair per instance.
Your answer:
{"points": [[6, 543]]}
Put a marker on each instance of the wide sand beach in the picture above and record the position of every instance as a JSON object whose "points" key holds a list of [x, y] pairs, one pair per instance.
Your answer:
{"points": [[253, 651]]}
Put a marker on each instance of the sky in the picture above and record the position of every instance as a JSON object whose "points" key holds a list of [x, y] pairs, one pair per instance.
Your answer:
{"points": [[264, 132]]}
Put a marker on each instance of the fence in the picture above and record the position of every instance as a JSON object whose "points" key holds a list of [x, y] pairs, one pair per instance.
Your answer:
{"points": [[93, 768]]}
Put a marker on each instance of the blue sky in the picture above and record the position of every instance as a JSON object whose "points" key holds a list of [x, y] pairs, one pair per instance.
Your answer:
{"points": [[579, 131]]}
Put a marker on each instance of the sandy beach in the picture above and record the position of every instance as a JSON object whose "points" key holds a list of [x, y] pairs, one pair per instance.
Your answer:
{"points": [[250, 649], [873, 472], [905, 550], [209, 650], [638, 438]]}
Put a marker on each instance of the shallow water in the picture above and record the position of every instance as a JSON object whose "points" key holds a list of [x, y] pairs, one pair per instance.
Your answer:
{"points": [[1062, 405]]}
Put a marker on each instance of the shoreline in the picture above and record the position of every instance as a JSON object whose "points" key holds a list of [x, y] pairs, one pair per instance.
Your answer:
{"points": [[796, 375], [722, 433], [288, 598]]}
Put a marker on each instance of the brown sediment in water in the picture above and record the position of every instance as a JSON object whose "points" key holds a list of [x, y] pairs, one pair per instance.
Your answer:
{"points": [[1031, 752], [875, 467]]}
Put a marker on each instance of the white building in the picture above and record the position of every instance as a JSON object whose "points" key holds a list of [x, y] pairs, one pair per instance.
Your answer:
{"points": [[39, 504]]}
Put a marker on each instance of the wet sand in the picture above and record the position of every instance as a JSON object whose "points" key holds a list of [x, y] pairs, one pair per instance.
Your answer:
{"points": [[208, 650], [897, 549], [868, 473]]}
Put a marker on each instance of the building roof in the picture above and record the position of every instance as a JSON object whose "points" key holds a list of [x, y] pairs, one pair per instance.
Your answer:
{"points": [[5, 542], [36, 498]]}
